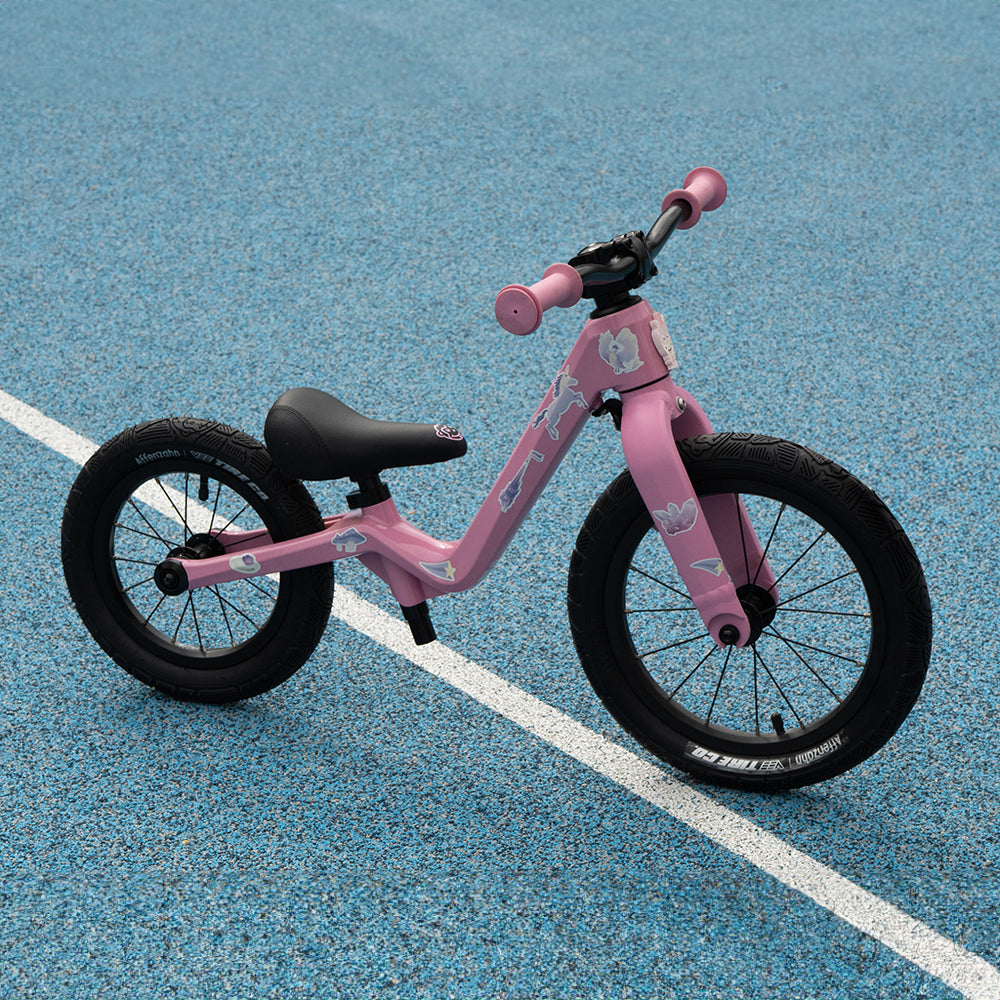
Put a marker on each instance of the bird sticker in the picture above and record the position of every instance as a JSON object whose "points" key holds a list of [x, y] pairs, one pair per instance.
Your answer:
{"points": [[676, 520], [621, 352]]}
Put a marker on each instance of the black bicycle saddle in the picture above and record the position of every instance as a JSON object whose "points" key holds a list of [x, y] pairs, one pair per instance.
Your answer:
{"points": [[312, 435]]}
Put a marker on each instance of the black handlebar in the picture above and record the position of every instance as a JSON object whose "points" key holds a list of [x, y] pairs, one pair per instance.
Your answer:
{"points": [[607, 272], [611, 270], [664, 226]]}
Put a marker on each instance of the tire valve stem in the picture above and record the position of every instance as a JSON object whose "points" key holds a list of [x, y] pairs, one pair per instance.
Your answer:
{"points": [[203, 487], [778, 723]]}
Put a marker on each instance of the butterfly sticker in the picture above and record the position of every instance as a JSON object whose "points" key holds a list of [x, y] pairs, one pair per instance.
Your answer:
{"points": [[676, 520]]}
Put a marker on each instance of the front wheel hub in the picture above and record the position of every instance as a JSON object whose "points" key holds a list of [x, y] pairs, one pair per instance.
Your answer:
{"points": [[759, 607]]}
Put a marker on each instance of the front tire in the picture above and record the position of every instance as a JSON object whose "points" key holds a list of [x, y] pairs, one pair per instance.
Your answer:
{"points": [[839, 655], [181, 484]]}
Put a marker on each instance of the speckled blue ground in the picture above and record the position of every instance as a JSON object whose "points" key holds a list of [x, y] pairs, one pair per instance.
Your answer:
{"points": [[204, 205]]}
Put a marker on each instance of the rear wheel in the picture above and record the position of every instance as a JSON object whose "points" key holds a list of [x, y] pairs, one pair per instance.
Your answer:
{"points": [[840, 645], [184, 488]]}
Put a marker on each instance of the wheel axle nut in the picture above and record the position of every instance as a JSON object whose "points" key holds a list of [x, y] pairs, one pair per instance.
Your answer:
{"points": [[729, 635], [170, 577]]}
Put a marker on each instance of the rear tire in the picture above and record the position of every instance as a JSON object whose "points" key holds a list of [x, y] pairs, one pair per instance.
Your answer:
{"points": [[838, 659], [183, 482]]}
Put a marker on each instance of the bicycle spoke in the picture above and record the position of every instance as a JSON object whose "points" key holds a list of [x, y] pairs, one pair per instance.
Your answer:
{"points": [[694, 670], [149, 617], [197, 630], [215, 506], [138, 562], [635, 569], [134, 506], [756, 699], [170, 500], [718, 685], [646, 611], [225, 617], [250, 535], [144, 534], [804, 662], [148, 579], [233, 607], [743, 541], [774, 681], [827, 611], [267, 593], [770, 538], [673, 645], [233, 518], [815, 649], [819, 586], [180, 620], [800, 556]]}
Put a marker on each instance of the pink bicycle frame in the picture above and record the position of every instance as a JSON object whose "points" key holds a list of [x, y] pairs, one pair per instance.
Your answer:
{"points": [[627, 352]]}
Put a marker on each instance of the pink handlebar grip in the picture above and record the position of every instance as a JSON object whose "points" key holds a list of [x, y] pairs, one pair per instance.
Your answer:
{"points": [[704, 191], [519, 310]]}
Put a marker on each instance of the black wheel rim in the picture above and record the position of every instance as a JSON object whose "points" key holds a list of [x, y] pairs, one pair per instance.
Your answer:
{"points": [[167, 505], [814, 660]]}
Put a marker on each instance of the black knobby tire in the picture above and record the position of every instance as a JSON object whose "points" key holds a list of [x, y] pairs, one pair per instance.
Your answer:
{"points": [[838, 658], [179, 482]]}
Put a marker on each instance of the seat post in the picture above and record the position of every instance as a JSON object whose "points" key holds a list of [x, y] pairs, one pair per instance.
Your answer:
{"points": [[418, 617], [371, 490]]}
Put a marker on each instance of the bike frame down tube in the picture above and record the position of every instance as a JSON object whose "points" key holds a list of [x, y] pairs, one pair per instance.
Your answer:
{"points": [[628, 352]]}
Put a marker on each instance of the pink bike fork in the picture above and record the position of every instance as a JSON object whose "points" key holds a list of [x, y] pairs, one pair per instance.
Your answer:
{"points": [[710, 540]]}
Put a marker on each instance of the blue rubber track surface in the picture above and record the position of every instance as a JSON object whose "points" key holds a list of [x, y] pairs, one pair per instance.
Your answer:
{"points": [[204, 205]]}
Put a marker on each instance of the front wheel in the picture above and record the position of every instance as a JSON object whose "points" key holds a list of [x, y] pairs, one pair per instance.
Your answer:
{"points": [[841, 640], [179, 487]]}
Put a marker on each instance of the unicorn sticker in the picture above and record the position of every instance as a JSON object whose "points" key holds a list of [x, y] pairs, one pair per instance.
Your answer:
{"points": [[621, 352], [563, 397]]}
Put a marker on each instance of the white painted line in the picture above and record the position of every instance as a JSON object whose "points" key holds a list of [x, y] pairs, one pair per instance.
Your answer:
{"points": [[35, 424], [937, 955]]}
